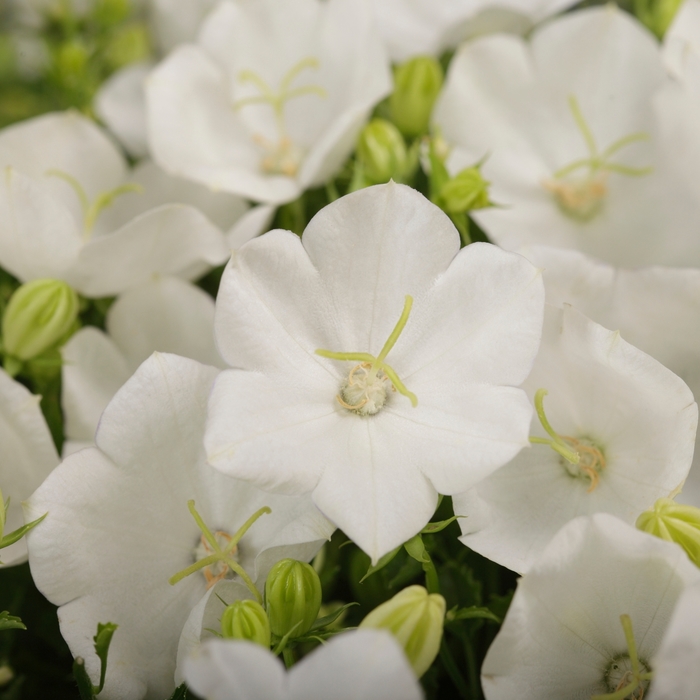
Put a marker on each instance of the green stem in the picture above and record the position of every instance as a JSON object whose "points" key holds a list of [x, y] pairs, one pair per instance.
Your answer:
{"points": [[453, 670], [289, 657]]}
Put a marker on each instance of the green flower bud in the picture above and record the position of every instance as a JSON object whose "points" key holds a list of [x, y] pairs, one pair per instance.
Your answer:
{"points": [[382, 152], [676, 523], [246, 619], [416, 619], [417, 84], [657, 15], [38, 316], [467, 190], [292, 597]]}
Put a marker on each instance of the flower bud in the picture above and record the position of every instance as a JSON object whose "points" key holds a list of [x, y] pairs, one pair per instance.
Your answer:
{"points": [[417, 84], [292, 597], [676, 523], [382, 151], [465, 191], [416, 619], [246, 619], [38, 316]]}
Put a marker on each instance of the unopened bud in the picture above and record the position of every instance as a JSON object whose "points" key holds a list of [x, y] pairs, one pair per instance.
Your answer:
{"points": [[246, 619], [467, 190], [417, 84], [676, 523], [39, 315], [293, 597], [416, 619], [382, 152]]}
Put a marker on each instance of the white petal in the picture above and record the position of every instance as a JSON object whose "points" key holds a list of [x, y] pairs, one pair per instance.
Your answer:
{"points": [[165, 315], [176, 23], [170, 240], [121, 104], [27, 457], [357, 665], [255, 221], [93, 370]]}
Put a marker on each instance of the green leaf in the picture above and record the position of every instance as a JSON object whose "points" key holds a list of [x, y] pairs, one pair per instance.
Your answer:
{"points": [[85, 686], [330, 619], [383, 561], [432, 528], [472, 613], [10, 622], [20, 532], [102, 640], [282, 645], [416, 549]]}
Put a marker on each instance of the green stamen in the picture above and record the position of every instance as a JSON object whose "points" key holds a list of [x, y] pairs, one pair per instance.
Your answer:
{"points": [[377, 364], [223, 555], [638, 676], [557, 443]]}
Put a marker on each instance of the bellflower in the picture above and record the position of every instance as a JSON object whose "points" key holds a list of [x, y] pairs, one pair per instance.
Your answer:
{"points": [[681, 46], [27, 456], [377, 363], [270, 100], [587, 620], [656, 309], [565, 125], [615, 432], [358, 665], [433, 26], [143, 508]]}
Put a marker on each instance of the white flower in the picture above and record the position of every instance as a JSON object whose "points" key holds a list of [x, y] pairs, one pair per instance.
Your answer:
{"points": [[175, 22], [358, 665], [677, 662], [118, 527], [418, 27], [656, 309], [27, 456], [681, 45], [629, 422], [60, 176], [270, 100], [563, 636], [565, 123], [320, 407]]}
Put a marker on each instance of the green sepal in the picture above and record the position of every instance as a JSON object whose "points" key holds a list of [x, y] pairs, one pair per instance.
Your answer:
{"points": [[327, 620], [85, 688], [10, 622], [433, 528], [20, 532], [383, 561], [473, 612], [416, 549], [282, 644], [102, 640]]}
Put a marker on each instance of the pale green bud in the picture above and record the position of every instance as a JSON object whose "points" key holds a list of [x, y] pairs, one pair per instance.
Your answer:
{"points": [[657, 15], [293, 597], [417, 84], [467, 190], [416, 619], [246, 619], [676, 523], [38, 316], [382, 152]]}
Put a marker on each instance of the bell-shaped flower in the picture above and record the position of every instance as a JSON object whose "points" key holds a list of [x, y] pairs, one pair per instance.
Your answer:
{"points": [[27, 456], [271, 98], [677, 662], [615, 433], [565, 124], [656, 309], [70, 210], [430, 27], [140, 526], [360, 378], [357, 665], [586, 622], [681, 45]]}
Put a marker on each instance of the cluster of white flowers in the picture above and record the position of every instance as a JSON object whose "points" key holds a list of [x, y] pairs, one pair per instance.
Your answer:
{"points": [[350, 374]]}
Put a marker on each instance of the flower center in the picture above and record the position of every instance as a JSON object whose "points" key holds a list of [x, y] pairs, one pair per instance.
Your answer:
{"points": [[280, 157], [581, 457], [580, 188], [219, 569], [92, 210], [364, 392]]}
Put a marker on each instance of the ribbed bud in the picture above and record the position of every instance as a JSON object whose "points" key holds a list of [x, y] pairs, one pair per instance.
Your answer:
{"points": [[38, 316], [382, 152], [246, 619], [676, 523], [417, 84], [416, 619], [292, 597], [465, 191]]}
